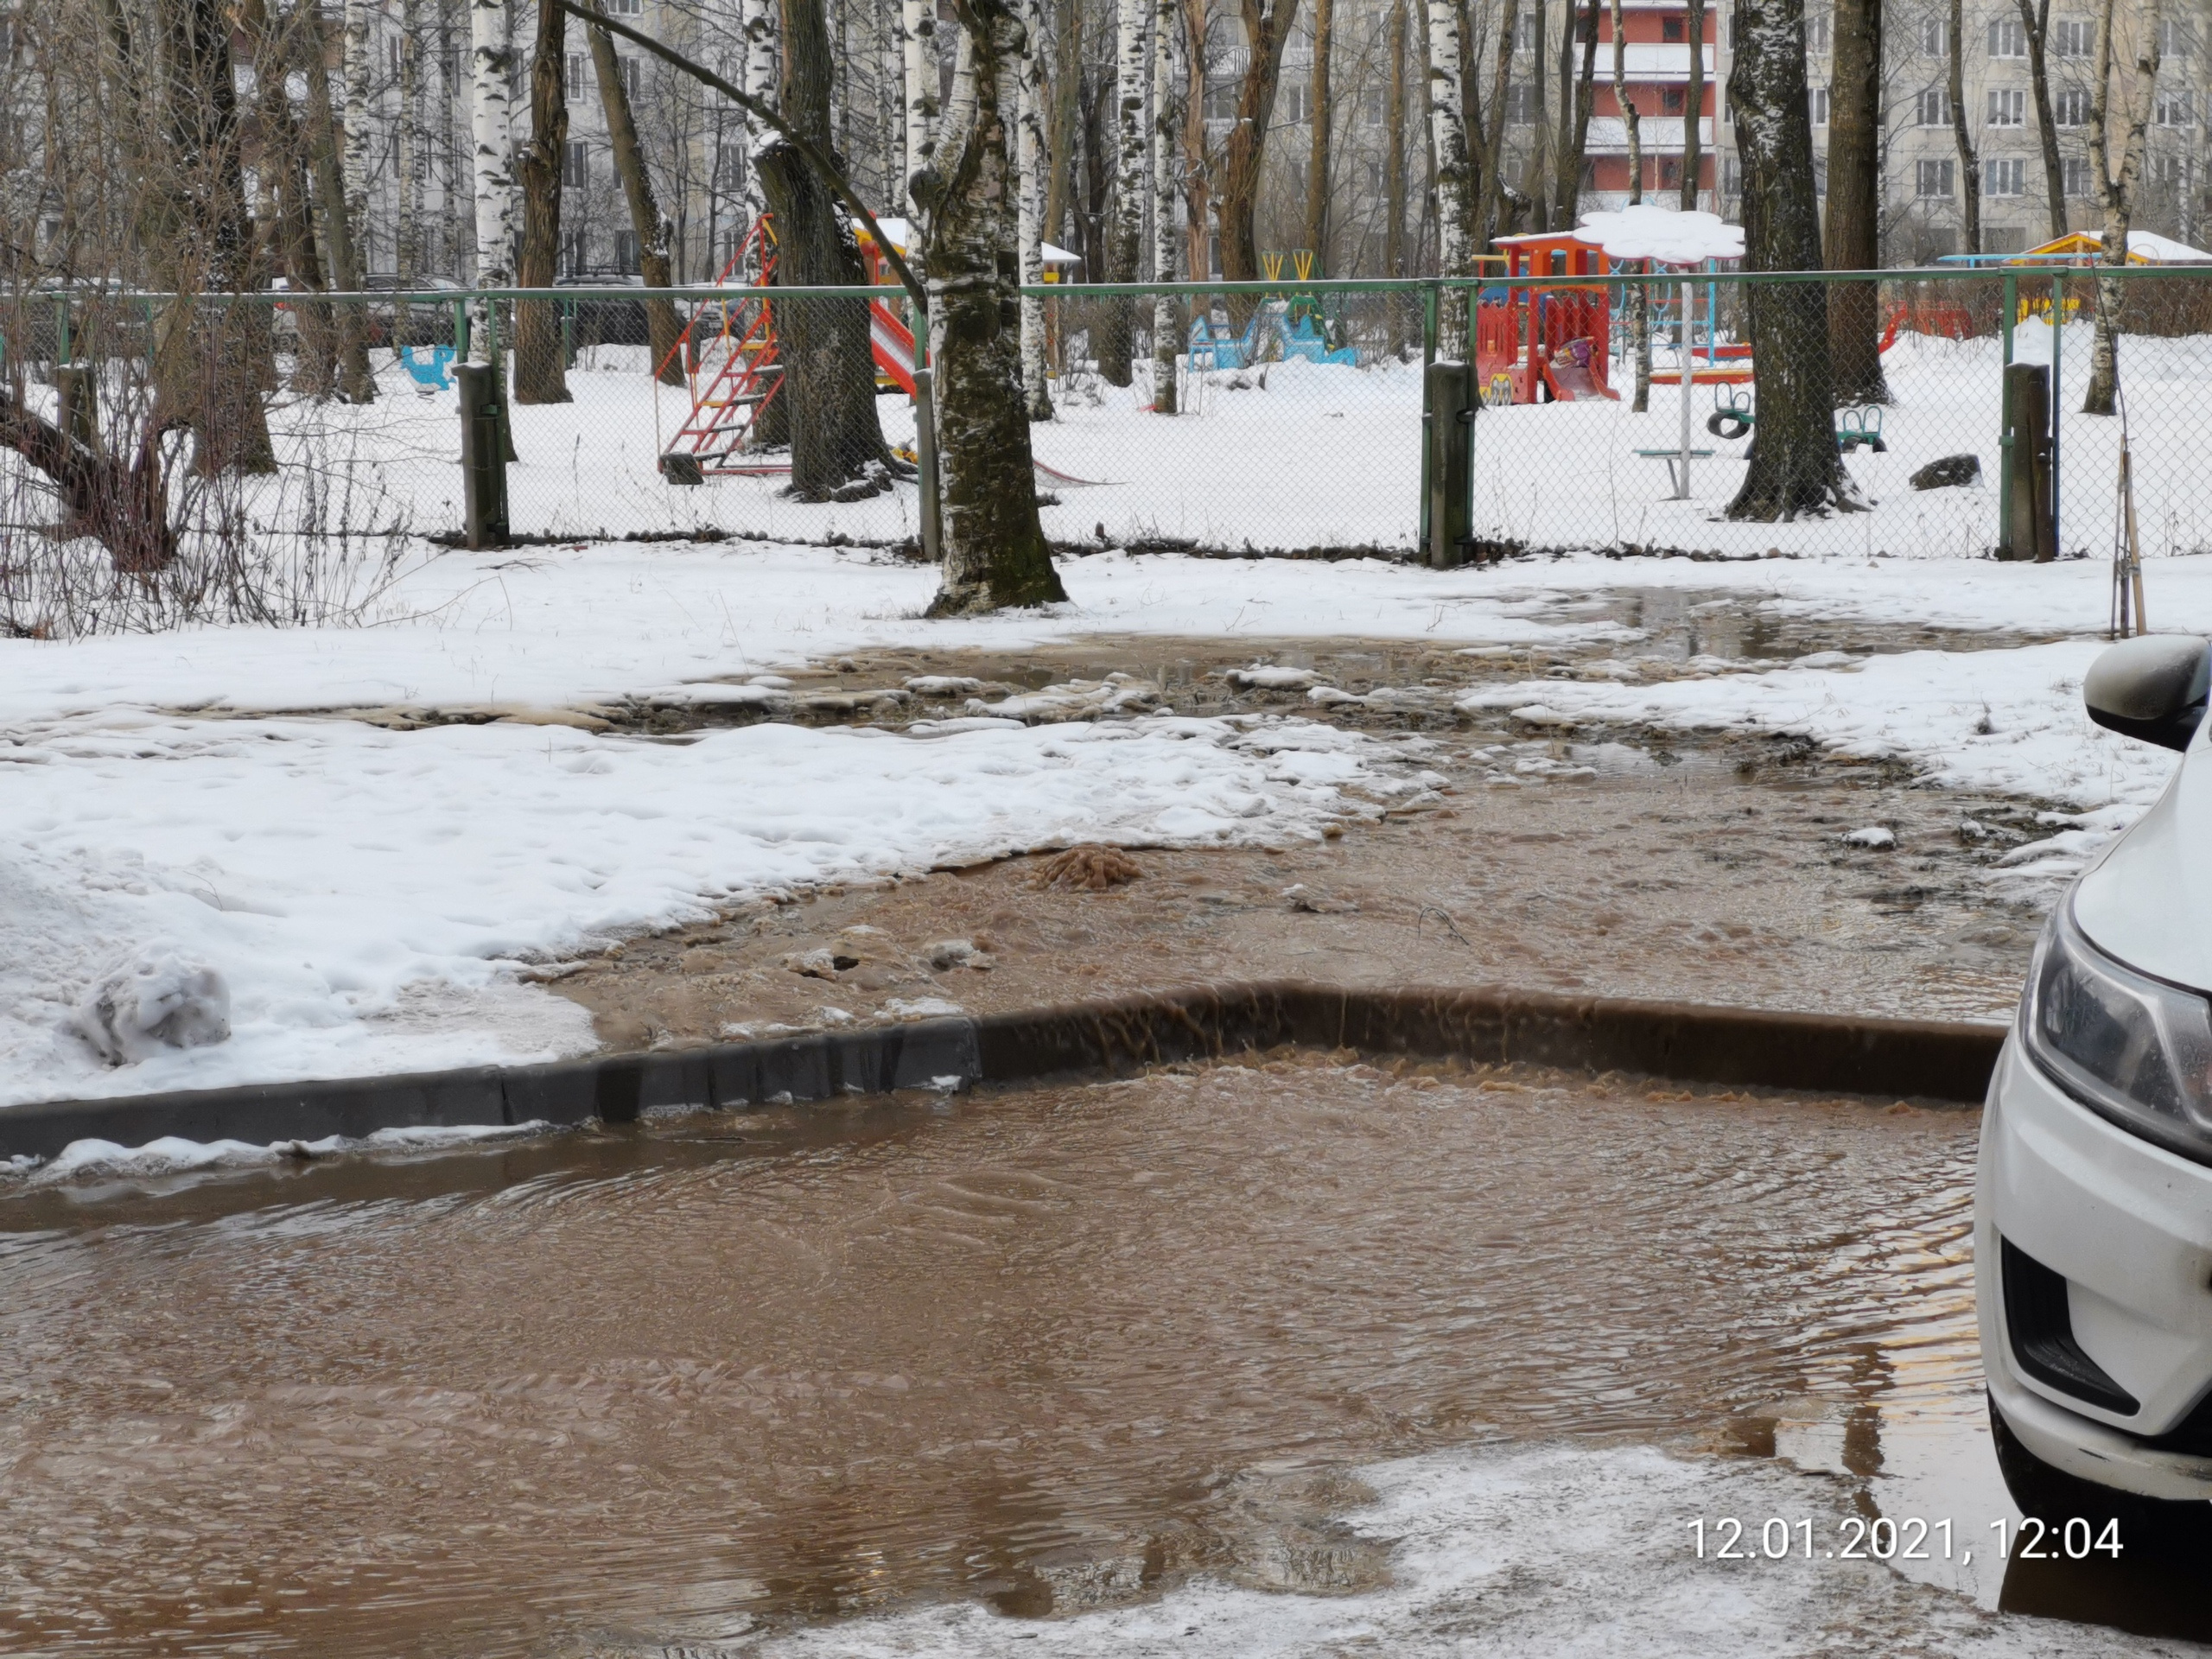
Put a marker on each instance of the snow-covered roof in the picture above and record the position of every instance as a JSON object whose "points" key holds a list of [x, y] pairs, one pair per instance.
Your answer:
{"points": [[1647, 230], [2155, 250]]}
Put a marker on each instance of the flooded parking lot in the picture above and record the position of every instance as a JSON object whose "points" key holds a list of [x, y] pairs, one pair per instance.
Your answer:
{"points": [[1302, 1354]]}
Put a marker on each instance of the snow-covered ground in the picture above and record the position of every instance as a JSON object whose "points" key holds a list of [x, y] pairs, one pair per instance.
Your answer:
{"points": [[368, 893]]}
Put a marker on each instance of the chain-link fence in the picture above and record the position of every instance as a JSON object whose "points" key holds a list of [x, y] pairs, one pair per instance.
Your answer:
{"points": [[278, 456]]}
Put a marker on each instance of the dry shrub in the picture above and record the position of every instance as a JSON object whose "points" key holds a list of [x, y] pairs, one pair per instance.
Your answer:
{"points": [[1089, 869]]}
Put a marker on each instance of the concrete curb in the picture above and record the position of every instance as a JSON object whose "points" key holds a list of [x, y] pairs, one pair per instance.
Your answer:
{"points": [[1926, 1059]]}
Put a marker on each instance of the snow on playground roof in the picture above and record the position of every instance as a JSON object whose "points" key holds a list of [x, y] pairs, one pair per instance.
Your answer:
{"points": [[1645, 230], [901, 233], [2144, 248]]}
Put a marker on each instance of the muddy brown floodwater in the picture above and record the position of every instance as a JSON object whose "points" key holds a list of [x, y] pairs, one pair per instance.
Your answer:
{"points": [[1048, 1350]]}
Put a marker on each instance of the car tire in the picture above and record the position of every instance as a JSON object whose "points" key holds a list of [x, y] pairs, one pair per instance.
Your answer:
{"points": [[2147, 1525]]}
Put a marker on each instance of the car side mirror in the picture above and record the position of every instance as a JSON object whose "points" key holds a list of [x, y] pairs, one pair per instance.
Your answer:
{"points": [[2153, 688]]}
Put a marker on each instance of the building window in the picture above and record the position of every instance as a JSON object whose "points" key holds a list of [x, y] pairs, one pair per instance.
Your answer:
{"points": [[625, 252], [1674, 29], [1670, 172], [1292, 105], [626, 8], [1931, 109], [1520, 104], [2073, 37], [1935, 38], [575, 164], [2173, 38], [1819, 99], [2169, 172], [2069, 106], [1673, 100], [2004, 177], [2007, 38], [1932, 179], [1732, 175], [1371, 105], [632, 81], [1816, 33], [579, 67], [1524, 33], [2077, 177], [1221, 100], [2008, 106], [2174, 109]]}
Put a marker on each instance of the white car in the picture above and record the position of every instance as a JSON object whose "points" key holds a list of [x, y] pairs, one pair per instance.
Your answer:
{"points": [[2092, 1207]]}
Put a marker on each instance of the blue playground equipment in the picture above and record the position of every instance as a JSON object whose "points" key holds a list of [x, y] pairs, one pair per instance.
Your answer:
{"points": [[429, 374], [1212, 347]]}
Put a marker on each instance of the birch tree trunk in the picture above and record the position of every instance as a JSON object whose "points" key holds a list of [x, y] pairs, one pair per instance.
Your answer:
{"points": [[407, 158], [996, 554], [325, 142], [838, 448], [1448, 142], [1393, 160], [1639, 294], [1316, 161], [541, 375], [920, 40], [1969, 163], [1854, 241], [1167, 342], [1030, 181], [647, 221], [1114, 331], [1694, 105], [2035, 19], [358, 61], [2116, 192], [492, 126], [761, 74], [1794, 470], [1485, 215]]}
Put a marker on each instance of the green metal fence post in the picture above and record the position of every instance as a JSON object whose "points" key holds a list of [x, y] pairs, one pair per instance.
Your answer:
{"points": [[461, 331], [2057, 401], [2005, 417], [1428, 312], [568, 333]]}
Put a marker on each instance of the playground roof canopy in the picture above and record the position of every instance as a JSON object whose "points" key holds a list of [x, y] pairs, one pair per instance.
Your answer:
{"points": [[1645, 230], [2144, 248]]}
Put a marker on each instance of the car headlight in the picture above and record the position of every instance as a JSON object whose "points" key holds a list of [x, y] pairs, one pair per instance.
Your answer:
{"points": [[2134, 1048]]}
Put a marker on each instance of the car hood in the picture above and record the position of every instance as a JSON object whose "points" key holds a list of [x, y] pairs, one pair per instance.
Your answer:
{"points": [[2148, 900]]}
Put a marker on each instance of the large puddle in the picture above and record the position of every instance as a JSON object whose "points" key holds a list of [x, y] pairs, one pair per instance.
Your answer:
{"points": [[1302, 1355]]}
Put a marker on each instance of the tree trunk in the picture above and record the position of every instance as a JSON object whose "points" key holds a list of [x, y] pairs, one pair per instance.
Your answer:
{"points": [[1693, 107], [1166, 342], [541, 375], [646, 222], [211, 355], [1491, 208], [1575, 136], [408, 158], [122, 504], [1031, 182], [356, 385], [1394, 163], [2035, 19], [1266, 31], [1113, 332], [996, 554], [1794, 468], [1639, 296], [919, 36], [1534, 174], [1067, 83], [1855, 224], [284, 167], [1317, 168], [492, 126], [838, 448], [1448, 143], [2117, 193], [1198, 157], [1969, 163], [762, 75], [357, 60]]}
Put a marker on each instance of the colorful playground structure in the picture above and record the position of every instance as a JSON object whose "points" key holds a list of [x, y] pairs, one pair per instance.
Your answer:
{"points": [[1282, 328], [734, 373]]}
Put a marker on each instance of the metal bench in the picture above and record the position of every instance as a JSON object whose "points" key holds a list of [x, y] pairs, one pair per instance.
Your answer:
{"points": [[1673, 457]]}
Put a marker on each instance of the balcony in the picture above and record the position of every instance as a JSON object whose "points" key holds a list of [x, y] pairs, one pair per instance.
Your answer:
{"points": [[1662, 135]]}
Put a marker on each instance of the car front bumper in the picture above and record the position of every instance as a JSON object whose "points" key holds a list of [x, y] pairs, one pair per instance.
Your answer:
{"points": [[2129, 1227]]}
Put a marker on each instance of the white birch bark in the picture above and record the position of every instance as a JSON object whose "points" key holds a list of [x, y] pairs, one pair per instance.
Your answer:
{"points": [[2126, 107], [359, 55], [1125, 240], [1029, 183], [409, 160], [1166, 329], [1448, 144], [761, 73], [491, 122], [918, 30], [891, 70]]}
